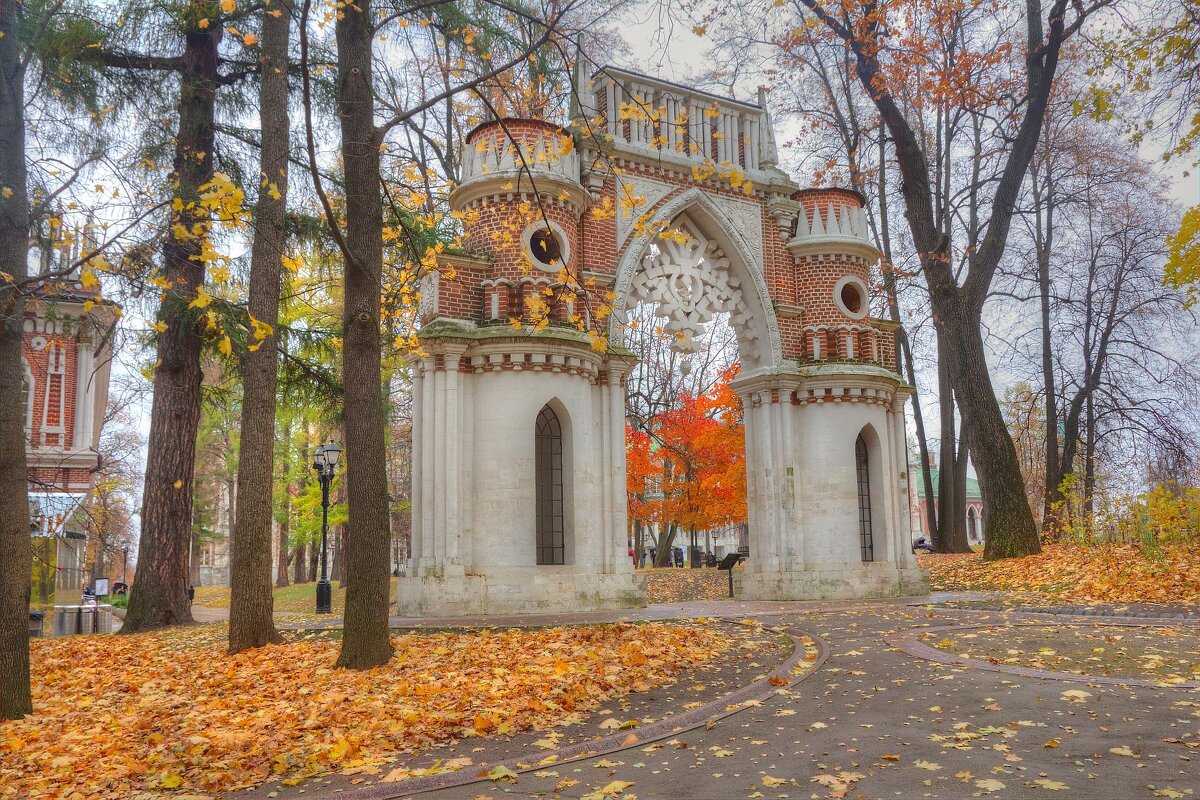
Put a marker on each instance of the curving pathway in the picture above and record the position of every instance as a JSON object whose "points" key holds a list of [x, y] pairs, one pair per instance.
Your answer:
{"points": [[876, 715]]}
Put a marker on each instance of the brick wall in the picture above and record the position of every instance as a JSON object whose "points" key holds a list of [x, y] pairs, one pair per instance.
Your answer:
{"points": [[801, 287], [54, 385]]}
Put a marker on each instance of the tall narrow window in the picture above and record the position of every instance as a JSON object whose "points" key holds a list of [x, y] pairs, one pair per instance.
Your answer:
{"points": [[548, 471], [866, 544]]}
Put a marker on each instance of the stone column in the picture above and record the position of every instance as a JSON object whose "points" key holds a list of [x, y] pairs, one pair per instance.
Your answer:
{"points": [[450, 429], [618, 507], [418, 487], [85, 390], [425, 425], [904, 554]]}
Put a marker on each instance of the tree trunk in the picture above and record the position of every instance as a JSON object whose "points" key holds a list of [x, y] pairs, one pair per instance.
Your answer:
{"points": [[16, 554], [665, 541], [314, 560], [959, 541], [251, 603], [337, 571], [365, 642], [904, 357], [285, 518], [1089, 467], [159, 597], [281, 563], [952, 506], [300, 567], [1009, 530], [1044, 232]]}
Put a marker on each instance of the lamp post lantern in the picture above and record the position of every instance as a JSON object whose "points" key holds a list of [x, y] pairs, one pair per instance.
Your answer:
{"points": [[324, 462]]}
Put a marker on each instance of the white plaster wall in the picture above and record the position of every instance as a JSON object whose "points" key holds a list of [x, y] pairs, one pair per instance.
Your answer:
{"points": [[505, 405], [826, 433]]}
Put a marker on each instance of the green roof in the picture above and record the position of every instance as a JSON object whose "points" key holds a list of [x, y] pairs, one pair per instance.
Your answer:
{"points": [[973, 492]]}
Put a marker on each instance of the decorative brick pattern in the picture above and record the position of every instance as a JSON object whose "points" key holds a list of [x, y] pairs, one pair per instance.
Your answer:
{"points": [[800, 271]]}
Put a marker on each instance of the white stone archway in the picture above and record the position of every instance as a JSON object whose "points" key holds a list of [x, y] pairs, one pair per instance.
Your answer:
{"points": [[717, 261], [815, 372]]}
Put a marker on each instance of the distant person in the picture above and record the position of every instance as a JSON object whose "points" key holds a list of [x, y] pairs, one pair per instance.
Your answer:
{"points": [[89, 597], [653, 556], [922, 545]]}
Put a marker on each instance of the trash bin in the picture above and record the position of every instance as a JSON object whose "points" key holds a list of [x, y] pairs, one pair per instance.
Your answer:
{"points": [[63, 621], [36, 620]]}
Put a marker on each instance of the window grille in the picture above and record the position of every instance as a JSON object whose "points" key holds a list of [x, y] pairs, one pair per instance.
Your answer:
{"points": [[548, 472], [866, 544]]}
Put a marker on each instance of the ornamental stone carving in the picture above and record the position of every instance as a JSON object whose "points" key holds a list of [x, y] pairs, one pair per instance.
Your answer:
{"points": [[689, 282]]}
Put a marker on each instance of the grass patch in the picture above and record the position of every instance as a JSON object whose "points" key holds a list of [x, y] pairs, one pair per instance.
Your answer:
{"points": [[1166, 654], [298, 598]]}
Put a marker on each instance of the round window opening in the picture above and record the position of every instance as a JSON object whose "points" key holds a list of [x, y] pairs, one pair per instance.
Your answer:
{"points": [[852, 298], [545, 248]]}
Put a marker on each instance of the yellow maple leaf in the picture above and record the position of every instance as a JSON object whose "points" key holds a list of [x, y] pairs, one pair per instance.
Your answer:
{"points": [[202, 299]]}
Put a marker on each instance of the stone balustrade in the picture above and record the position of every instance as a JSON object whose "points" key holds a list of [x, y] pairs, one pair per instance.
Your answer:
{"points": [[644, 115]]}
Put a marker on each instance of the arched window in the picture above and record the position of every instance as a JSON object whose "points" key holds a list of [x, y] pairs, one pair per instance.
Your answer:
{"points": [[866, 544], [550, 489]]}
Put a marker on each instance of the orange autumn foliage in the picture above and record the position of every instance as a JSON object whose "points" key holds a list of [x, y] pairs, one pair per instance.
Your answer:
{"points": [[1120, 573], [690, 469], [133, 716]]}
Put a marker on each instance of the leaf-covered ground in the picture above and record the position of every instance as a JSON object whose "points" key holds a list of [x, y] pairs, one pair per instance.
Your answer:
{"points": [[678, 584], [1109, 573], [126, 716], [1169, 655]]}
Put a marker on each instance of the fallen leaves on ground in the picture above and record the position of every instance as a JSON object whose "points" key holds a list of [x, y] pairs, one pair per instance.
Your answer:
{"points": [[1159, 653], [680, 584], [119, 716], [1103, 573]]}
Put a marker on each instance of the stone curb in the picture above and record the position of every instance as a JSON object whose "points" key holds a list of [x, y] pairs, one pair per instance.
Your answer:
{"points": [[1105, 619], [908, 642], [606, 745]]}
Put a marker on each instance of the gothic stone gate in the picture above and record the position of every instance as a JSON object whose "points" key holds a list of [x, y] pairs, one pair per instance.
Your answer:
{"points": [[518, 432]]}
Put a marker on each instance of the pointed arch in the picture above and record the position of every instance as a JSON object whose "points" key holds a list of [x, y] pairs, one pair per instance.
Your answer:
{"points": [[868, 475], [553, 486], [697, 211]]}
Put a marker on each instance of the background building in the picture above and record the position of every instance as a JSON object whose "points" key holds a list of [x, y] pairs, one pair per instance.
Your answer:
{"points": [[920, 515], [66, 359]]}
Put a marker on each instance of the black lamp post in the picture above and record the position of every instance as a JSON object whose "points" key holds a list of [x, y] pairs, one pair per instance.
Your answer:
{"points": [[324, 462]]}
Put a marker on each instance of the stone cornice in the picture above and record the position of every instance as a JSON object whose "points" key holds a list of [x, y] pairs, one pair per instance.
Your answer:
{"points": [[832, 245]]}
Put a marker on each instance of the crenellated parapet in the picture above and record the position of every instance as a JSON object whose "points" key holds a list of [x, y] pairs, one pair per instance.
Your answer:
{"points": [[505, 159]]}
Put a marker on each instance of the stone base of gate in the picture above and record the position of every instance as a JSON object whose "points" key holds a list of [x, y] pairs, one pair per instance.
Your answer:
{"points": [[519, 590], [832, 582]]}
